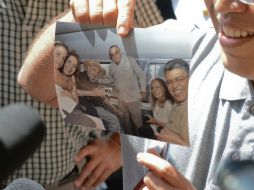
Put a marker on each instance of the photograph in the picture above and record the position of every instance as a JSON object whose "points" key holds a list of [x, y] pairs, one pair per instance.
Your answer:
{"points": [[134, 85]]}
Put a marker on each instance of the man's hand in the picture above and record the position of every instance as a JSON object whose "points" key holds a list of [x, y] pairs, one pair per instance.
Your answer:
{"points": [[117, 13], [105, 158], [162, 175]]}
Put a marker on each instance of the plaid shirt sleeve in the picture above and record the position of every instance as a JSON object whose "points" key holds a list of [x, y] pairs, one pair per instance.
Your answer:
{"points": [[20, 21]]}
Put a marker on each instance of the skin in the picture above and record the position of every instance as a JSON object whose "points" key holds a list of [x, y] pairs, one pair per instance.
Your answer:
{"points": [[117, 13], [93, 73], [115, 55], [238, 59], [65, 78], [70, 66], [159, 93], [101, 164], [179, 90], [60, 54]]}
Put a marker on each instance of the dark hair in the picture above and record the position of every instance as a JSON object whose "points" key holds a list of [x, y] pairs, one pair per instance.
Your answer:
{"points": [[74, 54], [59, 43], [110, 49], [165, 88], [176, 64]]}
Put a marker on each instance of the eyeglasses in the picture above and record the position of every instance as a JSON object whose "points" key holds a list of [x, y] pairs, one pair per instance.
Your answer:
{"points": [[177, 81], [249, 2]]}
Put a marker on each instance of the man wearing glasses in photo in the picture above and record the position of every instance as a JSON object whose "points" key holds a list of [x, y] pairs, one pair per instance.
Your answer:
{"points": [[176, 74]]}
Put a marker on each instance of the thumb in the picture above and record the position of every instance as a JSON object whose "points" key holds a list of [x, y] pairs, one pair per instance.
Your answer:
{"points": [[125, 16]]}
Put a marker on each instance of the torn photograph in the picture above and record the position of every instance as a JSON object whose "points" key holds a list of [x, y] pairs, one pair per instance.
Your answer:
{"points": [[136, 85]]}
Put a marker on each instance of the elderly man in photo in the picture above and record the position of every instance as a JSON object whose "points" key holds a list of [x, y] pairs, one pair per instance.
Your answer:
{"points": [[176, 74], [130, 82], [92, 93]]}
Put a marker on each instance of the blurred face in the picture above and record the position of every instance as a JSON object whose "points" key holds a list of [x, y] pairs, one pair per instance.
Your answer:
{"points": [[115, 55], [157, 90], [177, 83], [233, 21], [93, 73], [70, 65], [60, 54]]}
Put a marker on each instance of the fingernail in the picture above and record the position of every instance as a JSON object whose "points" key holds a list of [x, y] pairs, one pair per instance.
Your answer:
{"points": [[122, 31]]}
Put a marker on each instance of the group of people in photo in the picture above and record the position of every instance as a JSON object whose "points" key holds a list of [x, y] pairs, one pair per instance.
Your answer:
{"points": [[81, 90]]}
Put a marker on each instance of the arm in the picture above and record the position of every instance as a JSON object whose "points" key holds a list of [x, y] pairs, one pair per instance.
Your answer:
{"points": [[172, 138], [95, 92], [66, 93], [38, 64], [152, 120], [74, 89]]}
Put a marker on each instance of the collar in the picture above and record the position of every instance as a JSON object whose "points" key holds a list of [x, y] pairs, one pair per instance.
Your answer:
{"points": [[234, 87], [182, 103]]}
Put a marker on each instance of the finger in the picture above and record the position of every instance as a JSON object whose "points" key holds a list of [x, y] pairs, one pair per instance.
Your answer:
{"points": [[95, 175], [110, 12], [153, 182], [161, 167], [86, 172], [80, 10], [125, 16], [86, 151], [103, 177], [96, 10]]}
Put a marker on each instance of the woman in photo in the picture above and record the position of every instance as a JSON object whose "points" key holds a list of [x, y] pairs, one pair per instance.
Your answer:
{"points": [[161, 103], [67, 92]]}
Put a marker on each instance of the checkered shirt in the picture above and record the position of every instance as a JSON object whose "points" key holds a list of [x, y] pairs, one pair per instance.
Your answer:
{"points": [[20, 20]]}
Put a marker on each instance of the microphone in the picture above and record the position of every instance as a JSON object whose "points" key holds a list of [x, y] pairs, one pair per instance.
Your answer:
{"points": [[24, 184], [235, 175], [21, 132]]}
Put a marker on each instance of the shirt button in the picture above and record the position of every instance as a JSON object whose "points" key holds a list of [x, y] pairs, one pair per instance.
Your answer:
{"points": [[252, 109]]}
